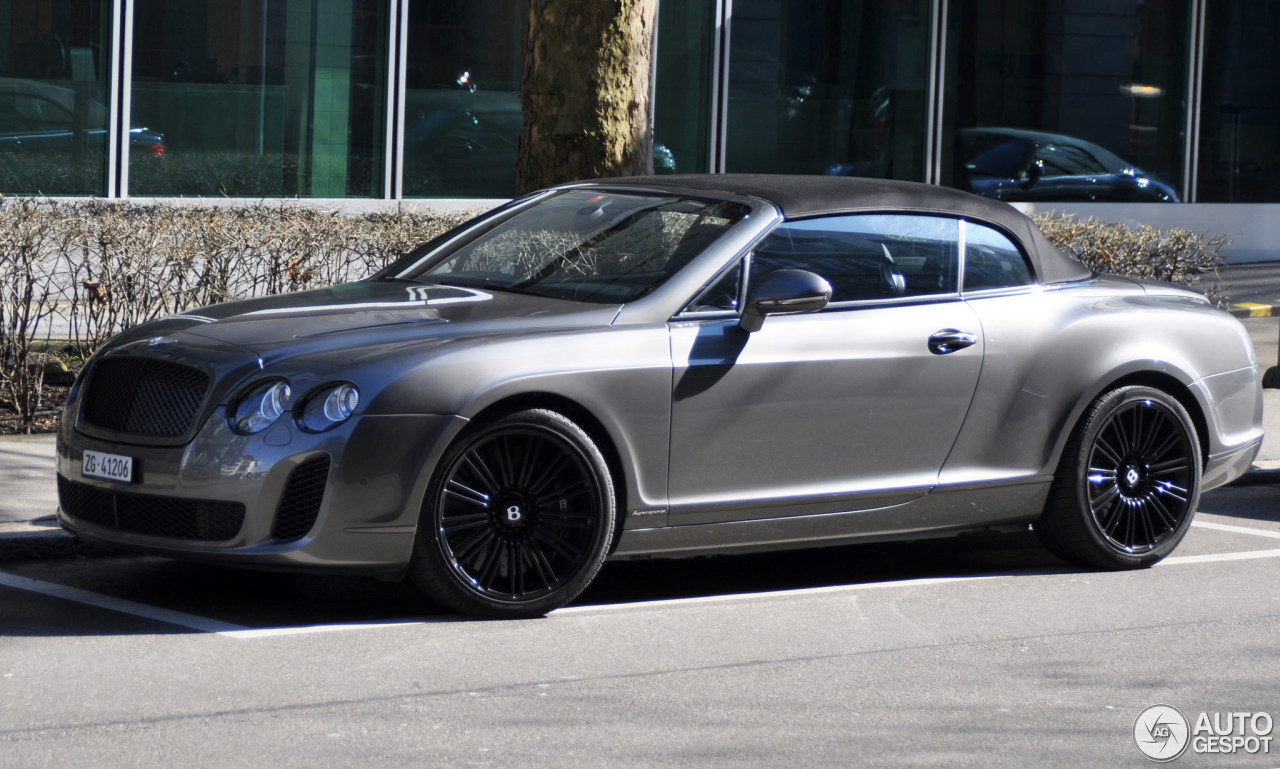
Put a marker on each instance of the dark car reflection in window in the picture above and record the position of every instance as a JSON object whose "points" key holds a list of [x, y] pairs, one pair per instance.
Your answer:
{"points": [[1018, 165], [463, 142], [53, 138]]}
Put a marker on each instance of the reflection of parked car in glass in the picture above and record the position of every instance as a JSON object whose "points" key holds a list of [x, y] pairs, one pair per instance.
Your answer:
{"points": [[461, 143], [464, 142], [1015, 164], [37, 116]]}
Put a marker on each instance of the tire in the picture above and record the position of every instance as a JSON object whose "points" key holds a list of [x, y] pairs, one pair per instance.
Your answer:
{"points": [[1128, 484], [517, 520]]}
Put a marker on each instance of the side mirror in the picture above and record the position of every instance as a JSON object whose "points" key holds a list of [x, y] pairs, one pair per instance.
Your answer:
{"points": [[785, 292], [1031, 174]]}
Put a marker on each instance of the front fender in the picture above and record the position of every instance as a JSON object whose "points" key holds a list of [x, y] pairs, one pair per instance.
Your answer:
{"points": [[619, 375]]}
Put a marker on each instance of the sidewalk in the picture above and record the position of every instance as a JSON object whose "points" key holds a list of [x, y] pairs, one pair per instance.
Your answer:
{"points": [[29, 494], [29, 500]]}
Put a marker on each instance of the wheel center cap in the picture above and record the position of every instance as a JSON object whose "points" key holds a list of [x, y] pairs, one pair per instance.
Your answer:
{"points": [[514, 515], [1132, 476]]}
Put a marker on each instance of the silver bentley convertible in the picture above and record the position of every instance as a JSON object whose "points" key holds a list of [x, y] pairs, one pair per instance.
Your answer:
{"points": [[665, 367]]}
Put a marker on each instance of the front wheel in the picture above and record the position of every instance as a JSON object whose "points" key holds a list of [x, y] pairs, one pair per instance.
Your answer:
{"points": [[1128, 484], [518, 518]]}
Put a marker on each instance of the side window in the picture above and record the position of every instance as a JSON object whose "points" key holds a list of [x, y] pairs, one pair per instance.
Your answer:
{"points": [[866, 256], [991, 260], [722, 294]]}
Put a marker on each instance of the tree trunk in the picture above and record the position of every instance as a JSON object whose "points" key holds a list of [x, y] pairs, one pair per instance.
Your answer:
{"points": [[586, 91]]}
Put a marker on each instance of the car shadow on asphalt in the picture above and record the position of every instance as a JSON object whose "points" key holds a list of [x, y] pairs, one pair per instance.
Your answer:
{"points": [[255, 600], [1256, 497], [962, 556]]}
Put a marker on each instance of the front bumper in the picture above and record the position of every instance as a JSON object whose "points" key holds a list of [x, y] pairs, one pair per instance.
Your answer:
{"points": [[364, 521]]}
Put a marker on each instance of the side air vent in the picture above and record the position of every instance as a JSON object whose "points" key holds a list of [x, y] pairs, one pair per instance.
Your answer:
{"points": [[300, 502]]}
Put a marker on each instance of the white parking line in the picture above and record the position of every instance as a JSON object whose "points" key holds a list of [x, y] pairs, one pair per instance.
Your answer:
{"points": [[774, 594], [273, 632], [1236, 529], [1249, 555]]}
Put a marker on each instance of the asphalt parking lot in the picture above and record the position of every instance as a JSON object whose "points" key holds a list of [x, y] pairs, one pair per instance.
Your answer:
{"points": [[984, 651]]}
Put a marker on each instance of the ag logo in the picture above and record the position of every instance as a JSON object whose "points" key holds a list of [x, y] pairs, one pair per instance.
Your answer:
{"points": [[1161, 733]]}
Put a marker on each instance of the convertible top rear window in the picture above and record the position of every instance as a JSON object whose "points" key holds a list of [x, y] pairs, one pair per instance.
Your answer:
{"points": [[586, 245]]}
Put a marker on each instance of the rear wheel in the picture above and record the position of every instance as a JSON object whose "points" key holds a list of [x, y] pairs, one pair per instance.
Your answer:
{"points": [[518, 518], [1128, 484]]}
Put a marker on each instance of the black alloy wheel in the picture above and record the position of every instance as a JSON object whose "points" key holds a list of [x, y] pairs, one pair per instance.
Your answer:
{"points": [[518, 518], [1129, 482]]}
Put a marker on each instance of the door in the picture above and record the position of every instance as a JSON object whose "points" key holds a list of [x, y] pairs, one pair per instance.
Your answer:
{"points": [[852, 407]]}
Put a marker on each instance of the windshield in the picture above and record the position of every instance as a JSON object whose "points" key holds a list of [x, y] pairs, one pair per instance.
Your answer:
{"points": [[586, 245]]}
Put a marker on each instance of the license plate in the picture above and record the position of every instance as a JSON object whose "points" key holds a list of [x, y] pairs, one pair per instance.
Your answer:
{"points": [[109, 467]]}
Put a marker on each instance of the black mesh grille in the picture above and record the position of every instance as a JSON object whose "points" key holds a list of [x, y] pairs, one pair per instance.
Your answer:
{"points": [[144, 396], [300, 502], [154, 516]]}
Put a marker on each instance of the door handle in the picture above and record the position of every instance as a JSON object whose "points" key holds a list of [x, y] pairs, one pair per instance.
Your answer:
{"points": [[948, 340]]}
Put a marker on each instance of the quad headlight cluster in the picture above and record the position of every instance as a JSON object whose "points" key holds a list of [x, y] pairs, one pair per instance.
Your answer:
{"points": [[321, 409]]}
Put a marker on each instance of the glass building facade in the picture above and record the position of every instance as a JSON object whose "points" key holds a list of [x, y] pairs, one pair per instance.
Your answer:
{"points": [[1136, 101]]}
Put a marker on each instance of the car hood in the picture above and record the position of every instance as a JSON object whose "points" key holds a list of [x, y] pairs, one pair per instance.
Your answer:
{"points": [[365, 313]]}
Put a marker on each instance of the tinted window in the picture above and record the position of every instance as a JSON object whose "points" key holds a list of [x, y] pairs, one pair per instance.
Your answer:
{"points": [[682, 91], [866, 256], [261, 97], [722, 294], [462, 98], [991, 260], [827, 86], [1098, 86], [55, 63], [1239, 121]]}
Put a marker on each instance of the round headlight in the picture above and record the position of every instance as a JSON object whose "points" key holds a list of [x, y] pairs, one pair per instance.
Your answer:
{"points": [[330, 407], [260, 407]]}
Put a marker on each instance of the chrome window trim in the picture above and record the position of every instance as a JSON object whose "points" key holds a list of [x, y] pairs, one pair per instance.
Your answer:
{"points": [[983, 293]]}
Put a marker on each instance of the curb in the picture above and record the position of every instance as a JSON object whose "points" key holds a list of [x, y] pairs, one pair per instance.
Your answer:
{"points": [[1254, 310]]}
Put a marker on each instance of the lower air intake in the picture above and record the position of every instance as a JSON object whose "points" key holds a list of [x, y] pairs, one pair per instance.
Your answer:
{"points": [[165, 517]]}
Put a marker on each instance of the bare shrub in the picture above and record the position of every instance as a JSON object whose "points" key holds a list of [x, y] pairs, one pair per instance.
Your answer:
{"points": [[28, 293], [1145, 252], [103, 266], [383, 237]]}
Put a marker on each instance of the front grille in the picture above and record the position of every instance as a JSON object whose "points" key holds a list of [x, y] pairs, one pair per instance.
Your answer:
{"points": [[144, 396], [300, 502], [166, 517]]}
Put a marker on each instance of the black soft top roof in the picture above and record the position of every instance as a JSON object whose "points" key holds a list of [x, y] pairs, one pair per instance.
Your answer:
{"points": [[800, 197]]}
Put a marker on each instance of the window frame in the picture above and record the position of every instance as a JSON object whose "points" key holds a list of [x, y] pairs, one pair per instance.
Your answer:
{"points": [[743, 259]]}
